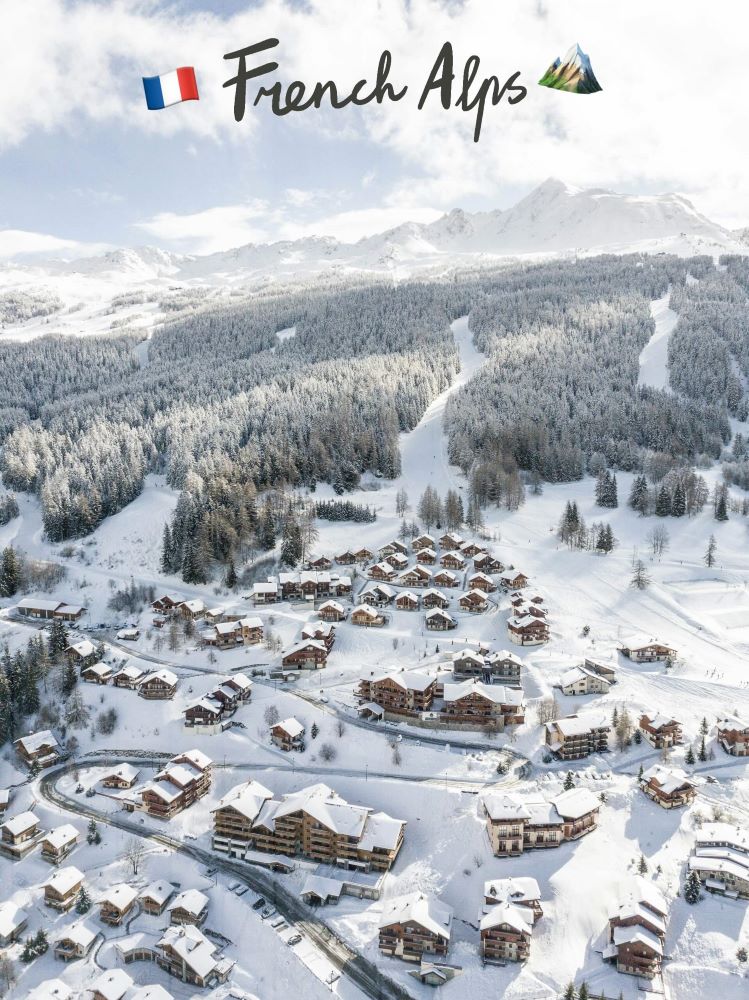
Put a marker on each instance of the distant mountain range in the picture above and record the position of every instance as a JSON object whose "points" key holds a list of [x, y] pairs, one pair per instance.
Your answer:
{"points": [[574, 74], [553, 220]]}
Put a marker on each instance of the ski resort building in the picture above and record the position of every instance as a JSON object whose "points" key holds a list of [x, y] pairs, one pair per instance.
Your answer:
{"points": [[578, 736], [161, 685], [642, 650], [515, 826], [440, 621], [307, 655], [181, 782], [39, 749], [581, 680], [527, 630], [637, 931], [288, 734], [19, 835], [733, 736], [415, 925], [670, 788], [661, 731], [721, 860]]}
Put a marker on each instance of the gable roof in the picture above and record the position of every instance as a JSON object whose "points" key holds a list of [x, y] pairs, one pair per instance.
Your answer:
{"points": [[417, 908]]}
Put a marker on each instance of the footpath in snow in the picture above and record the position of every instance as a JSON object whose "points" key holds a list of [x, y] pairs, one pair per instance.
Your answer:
{"points": [[654, 357], [424, 449]]}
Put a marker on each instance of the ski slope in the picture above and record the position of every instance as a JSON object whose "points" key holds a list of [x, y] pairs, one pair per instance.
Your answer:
{"points": [[654, 357]]}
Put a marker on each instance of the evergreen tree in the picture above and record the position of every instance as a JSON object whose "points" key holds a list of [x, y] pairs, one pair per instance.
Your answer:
{"points": [[582, 993], [570, 993], [266, 531], [69, 678], [167, 551], [193, 571], [569, 781], [702, 752], [704, 727], [721, 503], [642, 866], [692, 888], [314, 731], [663, 503], [231, 574], [58, 640], [10, 572], [678, 502], [639, 497], [291, 547], [689, 757], [640, 577], [83, 901], [712, 548]]}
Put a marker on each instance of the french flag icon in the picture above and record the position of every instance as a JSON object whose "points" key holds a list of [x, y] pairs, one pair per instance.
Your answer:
{"points": [[171, 88]]}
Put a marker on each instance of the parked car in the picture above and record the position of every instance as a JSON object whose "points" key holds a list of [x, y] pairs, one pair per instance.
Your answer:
{"points": [[258, 904], [294, 939], [269, 911]]}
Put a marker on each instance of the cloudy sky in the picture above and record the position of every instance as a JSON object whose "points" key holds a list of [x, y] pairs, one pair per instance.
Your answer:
{"points": [[84, 165]]}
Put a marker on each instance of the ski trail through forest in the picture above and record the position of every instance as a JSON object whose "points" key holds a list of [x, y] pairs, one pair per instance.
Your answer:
{"points": [[424, 458], [654, 357]]}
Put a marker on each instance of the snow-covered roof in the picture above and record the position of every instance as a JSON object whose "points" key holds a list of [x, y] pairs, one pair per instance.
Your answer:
{"points": [[409, 680], [80, 934], [193, 901], [291, 726], [35, 741], [512, 890], [732, 722], [61, 836], [246, 798], [364, 609], [637, 935], [503, 654], [159, 891], [20, 823], [125, 772], [575, 802], [11, 918], [439, 613], [640, 640], [192, 947], [503, 807], [119, 896], [659, 721], [468, 654], [269, 587], [577, 725], [332, 605], [100, 669], [83, 648], [496, 693], [166, 676], [39, 604], [154, 992], [314, 644], [131, 672], [427, 912], [195, 757], [194, 606], [520, 918], [226, 628], [51, 989], [112, 984], [407, 595], [64, 879], [668, 779], [322, 887], [381, 830]]}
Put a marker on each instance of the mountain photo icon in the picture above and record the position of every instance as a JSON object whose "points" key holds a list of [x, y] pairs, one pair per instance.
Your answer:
{"points": [[574, 74]]}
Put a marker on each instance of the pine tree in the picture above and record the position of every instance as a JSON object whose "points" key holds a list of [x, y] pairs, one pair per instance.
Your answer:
{"points": [[569, 781], [689, 758], [640, 576], [83, 901], [639, 497], [642, 867], [10, 572], [582, 993], [704, 727], [291, 547], [69, 678], [721, 506], [167, 551], [678, 502], [692, 888], [663, 503], [58, 640], [570, 993], [192, 569], [702, 752], [712, 548], [314, 731], [231, 574]]}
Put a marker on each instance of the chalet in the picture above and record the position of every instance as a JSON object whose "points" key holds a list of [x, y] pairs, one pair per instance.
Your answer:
{"points": [[580, 680], [382, 571], [426, 557], [527, 630], [379, 595], [205, 711], [407, 692], [367, 616], [637, 931], [503, 666], [215, 615], [440, 621], [519, 891], [467, 663], [346, 558], [117, 902], [721, 860], [480, 581], [232, 691], [167, 604], [319, 632], [516, 826], [246, 631], [192, 609], [733, 736], [340, 586], [391, 547], [58, 843], [423, 542], [318, 824], [4, 800], [670, 788], [189, 907], [473, 601], [38, 749], [321, 562], [416, 576], [186, 953], [128, 676], [19, 835], [332, 611], [81, 653], [182, 781], [97, 673], [51, 989], [521, 607], [288, 734], [477, 704], [505, 930], [265, 592], [75, 942], [487, 563], [155, 897], [122, 776], [643, 650], [309, 655], [452, 560], [605, 670], [514, 580], [38, 607], [661, 731], [13, 922], [434, 599], [577, 736], [397, 560], [364, 555], [406, 601], [61, 890], [450, 541], [160, 685], [235, 816], [413, 926], [113, 984]]}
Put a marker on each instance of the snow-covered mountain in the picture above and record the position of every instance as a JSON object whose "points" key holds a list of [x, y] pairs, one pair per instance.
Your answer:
{"points": [[554, 219], [574, 73]]}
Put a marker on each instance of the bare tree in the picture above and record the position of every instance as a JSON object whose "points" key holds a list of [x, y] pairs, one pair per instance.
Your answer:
{"points": [[659, 540], [328, 752], [547, 710], [271, 715], [640, 577], [340, 727], [7, 973], [134, 854]]}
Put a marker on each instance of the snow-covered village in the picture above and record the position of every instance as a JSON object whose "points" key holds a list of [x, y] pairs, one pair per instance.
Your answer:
{"points": [[374, 507]]}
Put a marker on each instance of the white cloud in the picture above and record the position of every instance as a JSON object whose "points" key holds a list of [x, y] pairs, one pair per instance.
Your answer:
{"points": [[22, 243]]}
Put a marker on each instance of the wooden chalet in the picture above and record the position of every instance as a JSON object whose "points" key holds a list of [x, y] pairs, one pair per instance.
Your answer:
{"points": [[397, 560], [473, 703], [440, 621], [382, 571], [155, 898], [308, 655], [450, 541], [122, 776], [288, 734], [642, 650], [159, 686], [445, 578], [13, 922], [637, 931], [413, 926], [424, 541], [528, 630], [391, 547], [332, 611], [117, 903], [452, 560], [19, 835], [366, 616], [471, 549], [505, 932], [266, 592], [605, 670], [519, 890], [193, 609], [38, 749], [128, 676], [487, 563], [321, 562], [516, 826], [61, 889], [378, 595], [580, 680], [59, 843], [346, 558], [426, 557], [75, 942], [81, 653], [504, 667], [434, 599], [363, 555], [733, 736], [189, 907], [473, 601], [661, 731], [319, 632], [514, 580], [167, 604], [115, 984], [577, 736], [406, 692], [480, 581], [416, 576], [97, 673], [182, 781], [670, 788], [721, 860], [235, 815], [406, 601]]}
